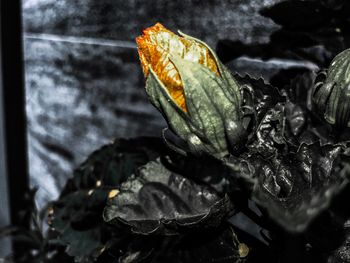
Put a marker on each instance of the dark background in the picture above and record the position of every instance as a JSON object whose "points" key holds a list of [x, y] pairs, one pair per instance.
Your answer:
{"points": [[84, 85]]}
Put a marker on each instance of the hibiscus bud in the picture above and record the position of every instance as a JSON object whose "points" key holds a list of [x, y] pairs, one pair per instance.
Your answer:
{"points": [[193, 90], [331, 93]]}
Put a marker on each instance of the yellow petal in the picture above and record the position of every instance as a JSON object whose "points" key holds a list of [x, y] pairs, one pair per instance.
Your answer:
{"points": [[157, 45]]}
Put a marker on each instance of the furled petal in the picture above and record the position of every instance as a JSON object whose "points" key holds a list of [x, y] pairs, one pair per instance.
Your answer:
{"points": [[155, 47]]}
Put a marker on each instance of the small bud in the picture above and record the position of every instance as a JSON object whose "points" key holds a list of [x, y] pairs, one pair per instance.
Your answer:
{"points": [[331, 93], [193, 90]]}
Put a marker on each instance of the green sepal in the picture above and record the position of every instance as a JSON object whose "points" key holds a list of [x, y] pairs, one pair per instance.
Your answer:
{"points": [[162, 100], [178, 121], [208, 105], [232, 87]]}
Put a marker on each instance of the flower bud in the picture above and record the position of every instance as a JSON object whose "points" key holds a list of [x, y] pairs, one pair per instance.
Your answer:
{"points": [[331, 93], [193, 90]]}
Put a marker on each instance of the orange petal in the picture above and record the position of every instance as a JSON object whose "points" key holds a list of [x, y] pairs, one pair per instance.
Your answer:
{"points": [[155, 47]]}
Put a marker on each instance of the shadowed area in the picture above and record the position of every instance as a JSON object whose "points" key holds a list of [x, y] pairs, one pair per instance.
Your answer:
{"points": [[83, 80]]}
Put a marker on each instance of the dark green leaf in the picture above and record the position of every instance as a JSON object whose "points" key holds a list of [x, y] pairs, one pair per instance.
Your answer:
{"points": [[269, 135], [220, 245], [158, 201], [211, 245], [311, 31], [78, 222], [295, 188], [258, 96], [299, 14], [77, 215], [114, 163]]}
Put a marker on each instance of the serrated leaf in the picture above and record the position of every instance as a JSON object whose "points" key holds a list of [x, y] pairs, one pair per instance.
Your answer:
{"points": [[269, 135], [77, 214], [295, 188], [158, 201], [259, 95]]}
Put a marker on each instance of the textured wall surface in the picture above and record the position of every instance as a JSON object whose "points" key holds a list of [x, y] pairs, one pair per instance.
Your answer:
{"points": [[4, 191], [80, 95]]}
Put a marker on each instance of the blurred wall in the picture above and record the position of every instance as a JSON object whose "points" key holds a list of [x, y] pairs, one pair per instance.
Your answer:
{"points": [[80, 95], [4, 193]]}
